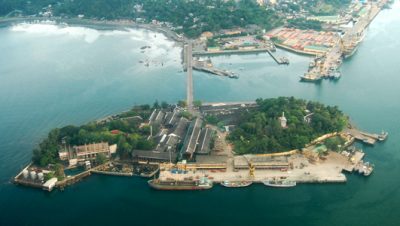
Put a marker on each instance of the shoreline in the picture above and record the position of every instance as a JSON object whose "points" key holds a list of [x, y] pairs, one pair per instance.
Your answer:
{"points": [[97, 25]]}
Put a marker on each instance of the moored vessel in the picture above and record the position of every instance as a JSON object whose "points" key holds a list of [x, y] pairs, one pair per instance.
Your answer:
{"points": [[310, 78], [186, 184], [283, 183], [236, 184]]}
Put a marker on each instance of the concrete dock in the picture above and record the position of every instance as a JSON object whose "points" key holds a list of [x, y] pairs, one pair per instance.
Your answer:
{"points": [[367, 138], [346, 45]]}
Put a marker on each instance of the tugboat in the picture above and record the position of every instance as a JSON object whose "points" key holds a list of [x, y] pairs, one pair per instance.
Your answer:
{"points": [[236, 184], [281, 183], [186, 184]]}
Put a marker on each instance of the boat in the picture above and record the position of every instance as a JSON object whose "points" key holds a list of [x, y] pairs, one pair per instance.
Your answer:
{"points": [[236, 184], [310, 78], [282, 183], [349, 51], [383, 136], [364, 168], [186, 184], [334, 73], [368, 168]]}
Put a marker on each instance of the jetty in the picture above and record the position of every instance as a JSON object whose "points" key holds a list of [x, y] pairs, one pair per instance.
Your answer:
{"points": [[344, 47], [281, 60], [367, 138], [207, 66]]}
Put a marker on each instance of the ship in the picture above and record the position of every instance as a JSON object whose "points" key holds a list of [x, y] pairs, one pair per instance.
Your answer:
{"points": [[350, 50], [334, 73], [364, 168], [383, 136], [281, 183], [307, 77], [236, 184], [186, 184]]}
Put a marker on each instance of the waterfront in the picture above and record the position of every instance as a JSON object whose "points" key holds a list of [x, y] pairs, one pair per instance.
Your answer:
{"points": [[40, 97]]}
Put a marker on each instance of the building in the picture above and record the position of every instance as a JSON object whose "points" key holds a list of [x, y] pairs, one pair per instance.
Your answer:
{"points": [[283, 120], [86, 152], [261, 162], [154, 156], [204, 141], [191, 139]]}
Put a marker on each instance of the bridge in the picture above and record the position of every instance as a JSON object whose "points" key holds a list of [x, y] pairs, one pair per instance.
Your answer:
{"points": [[189, 71]]}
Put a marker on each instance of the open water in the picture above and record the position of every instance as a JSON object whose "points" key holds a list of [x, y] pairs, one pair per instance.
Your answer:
{"points": [[53, 76]]}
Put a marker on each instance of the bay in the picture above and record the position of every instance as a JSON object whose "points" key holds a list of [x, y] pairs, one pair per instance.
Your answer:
{"points": [[51, 76]]}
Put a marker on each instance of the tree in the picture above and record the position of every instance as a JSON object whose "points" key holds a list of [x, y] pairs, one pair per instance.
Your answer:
{"points": [[197, 103], [101, 158], [182, 103], [156, 105], [59, 171], [164, 105], [259, 131]]}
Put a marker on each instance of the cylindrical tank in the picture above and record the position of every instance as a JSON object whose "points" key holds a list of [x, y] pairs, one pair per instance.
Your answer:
{"points": [[40, 176], [25, 173], [33, 175]]}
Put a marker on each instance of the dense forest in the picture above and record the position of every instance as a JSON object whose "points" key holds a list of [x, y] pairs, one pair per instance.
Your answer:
{"points": [[259, 130], [192, 17], [122, 130]]}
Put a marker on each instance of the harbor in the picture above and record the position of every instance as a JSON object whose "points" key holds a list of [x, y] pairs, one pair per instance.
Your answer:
{"points": [[330, 53]]}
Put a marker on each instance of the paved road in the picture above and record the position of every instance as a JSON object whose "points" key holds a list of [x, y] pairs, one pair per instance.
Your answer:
{"points": [[189, 84]]}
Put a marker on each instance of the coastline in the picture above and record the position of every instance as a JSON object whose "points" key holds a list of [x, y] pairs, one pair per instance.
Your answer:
{"points": [[97, 25]]}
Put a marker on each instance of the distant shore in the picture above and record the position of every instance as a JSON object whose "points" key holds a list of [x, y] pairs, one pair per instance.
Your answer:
{"points": [[96, 24]]}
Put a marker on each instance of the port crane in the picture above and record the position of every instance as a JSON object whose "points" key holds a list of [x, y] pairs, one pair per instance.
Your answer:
{"points": [[251, 167]]}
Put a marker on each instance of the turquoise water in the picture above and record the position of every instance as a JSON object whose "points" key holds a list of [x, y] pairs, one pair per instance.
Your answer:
{"points": [[51, 77]]}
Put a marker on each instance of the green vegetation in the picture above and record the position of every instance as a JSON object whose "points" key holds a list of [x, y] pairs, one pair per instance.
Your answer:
{"points": [[259, 130], [325, 7], [197, 103], [182, 103], [304, 24], [123, 130], [101, 158], [189, 17], [334, 143]]}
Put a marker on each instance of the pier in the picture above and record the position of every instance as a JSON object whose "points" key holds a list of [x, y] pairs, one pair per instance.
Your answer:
{"points": [[207, 66], [367, 138], [345, 47], [282, 60]]}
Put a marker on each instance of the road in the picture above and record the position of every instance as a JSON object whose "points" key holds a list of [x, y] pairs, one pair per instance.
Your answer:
{"points": [[189, 81]]}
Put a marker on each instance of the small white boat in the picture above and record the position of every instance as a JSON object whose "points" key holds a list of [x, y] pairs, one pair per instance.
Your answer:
{"points": [[236, 184]]}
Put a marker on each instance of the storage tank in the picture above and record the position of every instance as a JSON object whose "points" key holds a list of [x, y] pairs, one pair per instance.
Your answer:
{"points": [[40, 176], [25, 173], [33, 175]]}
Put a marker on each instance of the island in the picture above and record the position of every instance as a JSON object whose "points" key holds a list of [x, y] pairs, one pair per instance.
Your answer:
{"points": [[279, 142]]}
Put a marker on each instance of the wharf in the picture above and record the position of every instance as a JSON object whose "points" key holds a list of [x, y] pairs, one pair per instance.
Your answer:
{"points": [[298, 168], [282, 60], [345, 47], [226, 52], [207, 66], [355, 159], [368, 138], [216, 71]]}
